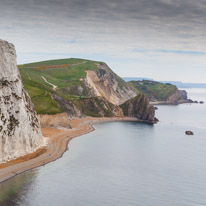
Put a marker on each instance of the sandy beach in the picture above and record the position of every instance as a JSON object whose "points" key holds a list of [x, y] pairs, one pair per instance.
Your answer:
{"points": [[58, 140]]}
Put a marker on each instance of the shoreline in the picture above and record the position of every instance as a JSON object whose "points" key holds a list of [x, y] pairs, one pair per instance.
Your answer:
{"points": [[168, 103], [58, 143]]}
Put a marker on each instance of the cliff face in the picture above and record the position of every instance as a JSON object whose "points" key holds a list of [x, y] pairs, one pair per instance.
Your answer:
{"points": [[58, 121], [139, 107], [105, 83], [19, 126], [92, 106], [100, 107], [178, 97]]}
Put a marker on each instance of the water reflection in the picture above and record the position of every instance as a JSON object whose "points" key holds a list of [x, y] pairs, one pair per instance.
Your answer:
{"points": [[13, 191]]}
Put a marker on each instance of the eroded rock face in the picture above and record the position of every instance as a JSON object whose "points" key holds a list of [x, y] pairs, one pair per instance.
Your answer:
{"points": [[180, 96], [67, 106], [20, 132], [140, 108], [105, 83], [100, 107], [91, 106], [59, 121]]}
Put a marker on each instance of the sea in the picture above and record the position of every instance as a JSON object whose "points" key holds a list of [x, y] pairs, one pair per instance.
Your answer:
{"points": [[125, 164]]}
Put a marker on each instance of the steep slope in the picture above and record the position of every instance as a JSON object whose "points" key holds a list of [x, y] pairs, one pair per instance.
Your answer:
{"points": [[139, 107], [159, 92], [81, 88], [93, 106], [66, 85], [105, 83], [19, 126]]}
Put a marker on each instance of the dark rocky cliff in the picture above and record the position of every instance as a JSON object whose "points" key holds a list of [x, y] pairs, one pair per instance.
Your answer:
{"points": [[92, 106], [140, 108]]}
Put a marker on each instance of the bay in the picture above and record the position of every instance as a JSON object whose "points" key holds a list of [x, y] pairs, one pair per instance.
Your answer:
{"points": [[125, 163]]}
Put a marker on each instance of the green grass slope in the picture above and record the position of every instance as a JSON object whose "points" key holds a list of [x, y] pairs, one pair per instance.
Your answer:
{"points": [[155, 91], [63, 73]]}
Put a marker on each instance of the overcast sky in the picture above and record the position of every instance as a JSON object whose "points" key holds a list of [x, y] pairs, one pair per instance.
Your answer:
{"points": [[159, 39]]}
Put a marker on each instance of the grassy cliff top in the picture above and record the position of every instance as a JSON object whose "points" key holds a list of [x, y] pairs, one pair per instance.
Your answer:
{"points": [[155, 91], [63, 72], [69, 61], [39, 79]]}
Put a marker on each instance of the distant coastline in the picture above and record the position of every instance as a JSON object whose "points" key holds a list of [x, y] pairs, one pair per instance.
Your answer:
{"points": [[176, 83]]}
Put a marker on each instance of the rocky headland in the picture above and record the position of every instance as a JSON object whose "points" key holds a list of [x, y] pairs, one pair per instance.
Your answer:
{"points": [[140, 108], [160, 93]]}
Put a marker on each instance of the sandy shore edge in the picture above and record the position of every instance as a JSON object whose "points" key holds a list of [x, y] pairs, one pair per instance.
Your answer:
{"points": [[57, 144]]}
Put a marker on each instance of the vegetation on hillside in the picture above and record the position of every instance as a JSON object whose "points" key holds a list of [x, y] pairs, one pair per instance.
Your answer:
{"points": [[57, 85], [62, 73], [60, 86], [155, 91]]}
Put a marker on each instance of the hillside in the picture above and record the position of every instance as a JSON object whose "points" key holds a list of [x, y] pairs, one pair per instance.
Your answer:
{"points": [[160, 92], [44, 79], [77, 86], [71, 84]]}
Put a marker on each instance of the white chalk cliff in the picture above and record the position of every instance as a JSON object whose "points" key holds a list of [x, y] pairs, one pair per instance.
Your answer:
{"points": [[20, 132]]}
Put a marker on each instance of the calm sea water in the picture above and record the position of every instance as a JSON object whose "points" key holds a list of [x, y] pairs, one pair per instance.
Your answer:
{"points": [[124, 164]]}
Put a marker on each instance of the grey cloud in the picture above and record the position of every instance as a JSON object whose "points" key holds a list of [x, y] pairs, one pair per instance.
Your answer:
{"points": [[135, 12], [107, 27], [133, 9]]}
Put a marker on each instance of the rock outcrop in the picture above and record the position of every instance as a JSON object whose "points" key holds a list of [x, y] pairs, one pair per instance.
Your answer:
{"points": [[140, 108], [68, 106], [20, 132], [91, 106], [99, 107], [189, 133]]}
